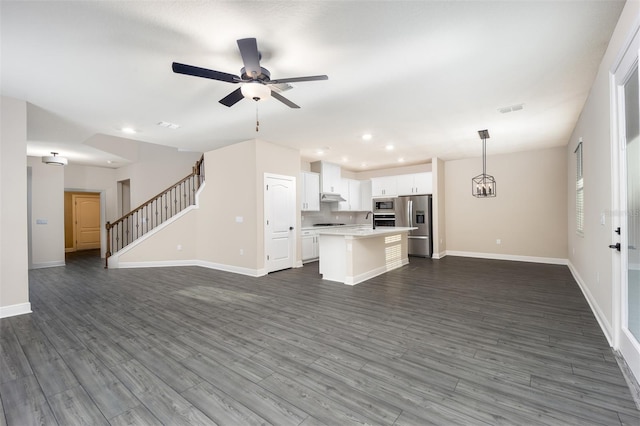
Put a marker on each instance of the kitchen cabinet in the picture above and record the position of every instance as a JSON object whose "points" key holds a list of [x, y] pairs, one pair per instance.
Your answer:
{"points": [[309, 245], [384, 186], [365, 196], [330, 176], [350, 191], [310, 191], [413, 184]]}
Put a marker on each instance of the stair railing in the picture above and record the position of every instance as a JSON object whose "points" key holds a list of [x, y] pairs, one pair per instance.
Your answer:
{"points": [[154, 212]]}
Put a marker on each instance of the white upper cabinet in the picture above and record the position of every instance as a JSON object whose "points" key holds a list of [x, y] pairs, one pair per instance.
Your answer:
{"points": [[350, 191], [331, 177], [414, 184], [384, 186], [365, 195], [310, 191], [423, 183], [405, 184]]}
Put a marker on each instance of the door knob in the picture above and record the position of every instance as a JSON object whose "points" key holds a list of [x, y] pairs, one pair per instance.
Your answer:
{"points": [[291, 229], [615, 246]]}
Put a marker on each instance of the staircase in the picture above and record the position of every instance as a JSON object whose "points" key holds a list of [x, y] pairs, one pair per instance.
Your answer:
{"points": [[154, 212]]}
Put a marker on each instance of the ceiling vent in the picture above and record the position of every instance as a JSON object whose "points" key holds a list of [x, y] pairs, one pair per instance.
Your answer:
{"points": [[511, 108]]}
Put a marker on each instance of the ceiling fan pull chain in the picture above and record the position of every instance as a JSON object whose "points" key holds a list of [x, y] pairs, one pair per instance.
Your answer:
{"points": [[257, 122]]}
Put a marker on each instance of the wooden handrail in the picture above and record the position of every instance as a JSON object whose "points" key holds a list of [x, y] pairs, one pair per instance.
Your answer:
{"points": [[174, 199]]}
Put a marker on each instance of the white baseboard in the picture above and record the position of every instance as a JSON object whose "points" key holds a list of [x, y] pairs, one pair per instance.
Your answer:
{"points": [[13, 310], [497, 256], [357, 279], [439, 255], [193, 262], [597, 312], [51, 264]]}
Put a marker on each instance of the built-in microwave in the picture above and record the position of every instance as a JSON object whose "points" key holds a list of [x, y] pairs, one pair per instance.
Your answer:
{"points": [[383, 205]]}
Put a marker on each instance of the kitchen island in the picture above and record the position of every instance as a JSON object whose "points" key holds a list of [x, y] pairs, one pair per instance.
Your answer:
{"points": [[354, 255]]}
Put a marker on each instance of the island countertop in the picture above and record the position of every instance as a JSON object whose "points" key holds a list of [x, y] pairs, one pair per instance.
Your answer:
{"points": [[351, 256], [364, 232]]}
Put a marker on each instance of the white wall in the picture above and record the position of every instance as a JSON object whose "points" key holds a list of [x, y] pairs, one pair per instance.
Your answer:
{"points": [[590, 259], [98, 179], [47, 214], [439, 209], [210, 234], [528, 214], [14, 280], [159, 168]]}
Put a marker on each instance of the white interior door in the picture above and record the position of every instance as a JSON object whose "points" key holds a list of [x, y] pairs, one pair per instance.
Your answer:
{"points": [[627, 195], [280, 220]]}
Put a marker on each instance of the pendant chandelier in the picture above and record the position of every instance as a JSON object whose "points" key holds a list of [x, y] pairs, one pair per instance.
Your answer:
{"points": [[484, 185]]}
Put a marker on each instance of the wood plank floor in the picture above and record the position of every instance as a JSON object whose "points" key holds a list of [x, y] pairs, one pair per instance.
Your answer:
{"points": [[450, 341]]}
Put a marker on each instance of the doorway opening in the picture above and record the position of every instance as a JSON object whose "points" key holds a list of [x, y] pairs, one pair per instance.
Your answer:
{"points": [[82, 224]]}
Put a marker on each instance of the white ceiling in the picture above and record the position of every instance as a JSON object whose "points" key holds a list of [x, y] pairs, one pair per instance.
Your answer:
{"points": [[421, 75]]}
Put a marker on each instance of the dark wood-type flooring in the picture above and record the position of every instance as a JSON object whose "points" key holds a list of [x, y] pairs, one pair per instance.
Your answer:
{"points": [[450, 341]]}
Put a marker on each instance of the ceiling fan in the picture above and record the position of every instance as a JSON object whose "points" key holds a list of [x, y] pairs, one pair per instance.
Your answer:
{"points": [[255, 79]]}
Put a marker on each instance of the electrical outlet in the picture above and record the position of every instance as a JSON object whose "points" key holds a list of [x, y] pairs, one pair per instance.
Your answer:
{"points": [[498, 241], [241, 252], [179, 247]]}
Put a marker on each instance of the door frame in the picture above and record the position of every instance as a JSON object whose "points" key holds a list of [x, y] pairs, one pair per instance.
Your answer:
{"points": [[103, 215], [294, 246], [75, 215], [622, 68]]}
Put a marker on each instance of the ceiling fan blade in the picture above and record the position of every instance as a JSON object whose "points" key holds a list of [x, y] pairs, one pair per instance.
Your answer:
{"points": [[250, 56], [284, 100], [298, 79], [204, 72], [232, 98]]}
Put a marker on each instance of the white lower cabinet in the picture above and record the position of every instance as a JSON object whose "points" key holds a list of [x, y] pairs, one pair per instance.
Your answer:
{"points": [[309, 246]]}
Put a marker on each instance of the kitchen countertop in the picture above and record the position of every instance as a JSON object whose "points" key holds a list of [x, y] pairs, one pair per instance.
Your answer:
{"points": [[363, 232]]}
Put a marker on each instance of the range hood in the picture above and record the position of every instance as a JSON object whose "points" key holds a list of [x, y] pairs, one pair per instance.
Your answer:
{"points": [[331, 198]]}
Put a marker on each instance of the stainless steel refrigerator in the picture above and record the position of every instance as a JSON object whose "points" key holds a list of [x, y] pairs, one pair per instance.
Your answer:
{"points": [[415, 211]]}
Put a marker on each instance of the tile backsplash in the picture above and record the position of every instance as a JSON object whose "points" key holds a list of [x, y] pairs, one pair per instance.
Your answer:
{"points": [[325, 215]]}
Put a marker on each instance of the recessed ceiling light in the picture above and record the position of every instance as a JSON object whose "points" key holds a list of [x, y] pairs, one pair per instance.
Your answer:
{"points": [[389, 147], [367, 137], [345, 159], [319, 152], [128, 130], [400, 160], [363, 165]]}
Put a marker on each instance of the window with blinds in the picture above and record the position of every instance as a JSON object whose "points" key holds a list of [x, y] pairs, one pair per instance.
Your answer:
{"points": [[579, 191]]}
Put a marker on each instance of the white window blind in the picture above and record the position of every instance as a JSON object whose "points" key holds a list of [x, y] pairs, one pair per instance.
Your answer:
{"points": [[579, 191]]}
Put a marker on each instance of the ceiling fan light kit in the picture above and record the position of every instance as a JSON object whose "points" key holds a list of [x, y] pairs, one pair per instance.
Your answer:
{"points": [[256, 91], [54, 160], [255, 79], [484, 185]]}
